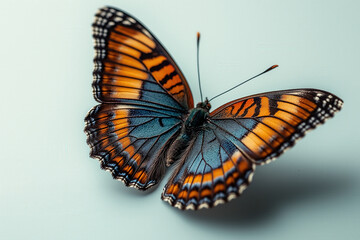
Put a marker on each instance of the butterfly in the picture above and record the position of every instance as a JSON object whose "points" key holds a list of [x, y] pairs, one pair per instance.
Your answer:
{"points": [[146, 120]]}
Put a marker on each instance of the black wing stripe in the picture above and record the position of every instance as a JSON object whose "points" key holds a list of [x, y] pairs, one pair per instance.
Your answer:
{"points": [[123, 86], [125, 65]]}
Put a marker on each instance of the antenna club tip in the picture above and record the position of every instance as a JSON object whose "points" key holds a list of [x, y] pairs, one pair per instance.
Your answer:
{"points": [[198, 34], [274, 66]]}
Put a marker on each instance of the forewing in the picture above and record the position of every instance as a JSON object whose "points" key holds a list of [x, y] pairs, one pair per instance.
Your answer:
{"points": [[266, 124], [212, 171], [131, 64], [131, 140]]}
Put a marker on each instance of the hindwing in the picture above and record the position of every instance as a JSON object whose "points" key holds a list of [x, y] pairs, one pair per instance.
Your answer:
{"points": [[131, 141]]}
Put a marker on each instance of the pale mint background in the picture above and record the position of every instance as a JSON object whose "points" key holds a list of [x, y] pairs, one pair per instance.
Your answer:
{"points": [[51, 189]]}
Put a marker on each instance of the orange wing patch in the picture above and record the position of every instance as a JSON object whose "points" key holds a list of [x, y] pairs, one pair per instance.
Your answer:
{"points": [[299, 101], [288, 117], [280, 126], [126, 60], [245, 107], [137, 35], [153, 62], [294, 109], [120, 47], [265, 107], [256, 144]]}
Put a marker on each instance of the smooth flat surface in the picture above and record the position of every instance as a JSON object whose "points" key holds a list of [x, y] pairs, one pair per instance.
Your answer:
{"points": [[51, 189]]}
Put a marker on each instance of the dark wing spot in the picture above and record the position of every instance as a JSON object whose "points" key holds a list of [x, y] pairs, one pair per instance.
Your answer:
{"points": [[161, 122]]}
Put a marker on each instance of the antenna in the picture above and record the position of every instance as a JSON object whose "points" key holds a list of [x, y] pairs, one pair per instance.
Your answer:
{"points": [[198, 68], [267, 70]]}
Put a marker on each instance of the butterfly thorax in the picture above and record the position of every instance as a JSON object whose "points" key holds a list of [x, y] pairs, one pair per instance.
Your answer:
{"points": [[196, 117]]}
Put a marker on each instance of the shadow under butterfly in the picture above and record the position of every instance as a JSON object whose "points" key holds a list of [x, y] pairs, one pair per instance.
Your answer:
{"points": [[146, 120], [276, 190]]}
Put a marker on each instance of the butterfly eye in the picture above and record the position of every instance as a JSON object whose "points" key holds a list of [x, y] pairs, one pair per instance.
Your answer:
{"points": [[208, 106]]}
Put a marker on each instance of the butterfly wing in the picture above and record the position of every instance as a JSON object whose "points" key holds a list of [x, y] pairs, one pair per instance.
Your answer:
{"points": [[143, 97], [266, 124], [130, 141], [218, 165], [131, 64], [212, 171]]}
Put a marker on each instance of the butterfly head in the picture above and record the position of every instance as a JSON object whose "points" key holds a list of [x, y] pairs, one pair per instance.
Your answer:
{"points": [[204, 105]]}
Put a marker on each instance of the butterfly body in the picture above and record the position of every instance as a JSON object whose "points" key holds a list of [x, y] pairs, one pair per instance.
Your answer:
{"points": [[146, 120], [194, 122], [196, 119]]}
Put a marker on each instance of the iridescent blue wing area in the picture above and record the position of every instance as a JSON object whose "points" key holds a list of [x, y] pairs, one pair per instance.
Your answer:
{"points": [[131, 141], [131, 64], [213, 170], [143, 97], [218, 165]]}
